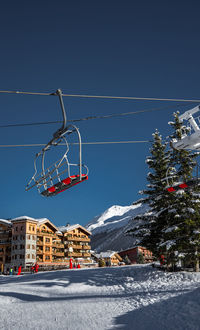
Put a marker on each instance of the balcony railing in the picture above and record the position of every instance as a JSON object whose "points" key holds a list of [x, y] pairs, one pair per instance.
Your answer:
{"points": [[86, 247], [79, 239], [86, 255], [45, 233], [58, 245], [74, 254]]}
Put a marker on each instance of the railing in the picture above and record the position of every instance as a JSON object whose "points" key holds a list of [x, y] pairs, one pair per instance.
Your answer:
{"points": [[79, 239], [74, 246], [74, 254], [86, 255], [59, 254], [39, 242], [58, 245], [86, 247], [45, 233]]}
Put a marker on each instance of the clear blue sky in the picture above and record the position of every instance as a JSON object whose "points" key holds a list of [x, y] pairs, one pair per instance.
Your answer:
{"points": [[122, 48]]}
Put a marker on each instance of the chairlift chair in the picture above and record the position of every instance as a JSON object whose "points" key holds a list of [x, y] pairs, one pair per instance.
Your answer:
{"points": [[191, 140], [58, 177]]}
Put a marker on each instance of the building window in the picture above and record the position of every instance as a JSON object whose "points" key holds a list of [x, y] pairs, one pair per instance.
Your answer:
{"points": [[28, 256], [33, 256], [16, 228], [28, 246], [22, 227], [29, 236], [33, 237], [47, 248], [33, 247], [47, 240], [21, 246], [47, 257], [21, 256]]}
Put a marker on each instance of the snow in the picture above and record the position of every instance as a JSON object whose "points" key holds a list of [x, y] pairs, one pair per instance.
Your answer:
{"points": [[115, 217], [7, 222], [24, 217], [126, 298]]}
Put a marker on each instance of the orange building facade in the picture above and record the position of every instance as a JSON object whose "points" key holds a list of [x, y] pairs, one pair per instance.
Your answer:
{"points": [[25, 241]]}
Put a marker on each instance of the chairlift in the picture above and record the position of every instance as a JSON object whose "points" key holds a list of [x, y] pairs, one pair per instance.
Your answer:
{"points": [[191, 140], [180, 184], [59, 176]]}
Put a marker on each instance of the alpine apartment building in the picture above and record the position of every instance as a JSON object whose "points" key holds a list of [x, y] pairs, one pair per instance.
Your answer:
{"points": [[25, 241]]}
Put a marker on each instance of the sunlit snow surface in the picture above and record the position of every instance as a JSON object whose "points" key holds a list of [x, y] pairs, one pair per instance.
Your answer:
{"points": [[131, 297], [114, 217]]}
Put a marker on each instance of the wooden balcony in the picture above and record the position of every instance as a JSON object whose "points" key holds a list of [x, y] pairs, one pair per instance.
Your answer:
{"points": [[59, 254], [45, 233], [86, 254], [78, 239], [39, 242], [74, 254], [58, 245], [86, 247], [74, 246]]}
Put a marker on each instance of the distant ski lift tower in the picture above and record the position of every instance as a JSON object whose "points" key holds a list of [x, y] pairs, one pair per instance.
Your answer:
{"points": [[191, 140]]}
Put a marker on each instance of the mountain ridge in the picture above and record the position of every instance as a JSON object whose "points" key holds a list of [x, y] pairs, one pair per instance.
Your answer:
{"points": [[109, 228]]}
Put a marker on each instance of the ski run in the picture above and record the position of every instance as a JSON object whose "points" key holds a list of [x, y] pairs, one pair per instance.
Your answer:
{"points": [[126, 297]]}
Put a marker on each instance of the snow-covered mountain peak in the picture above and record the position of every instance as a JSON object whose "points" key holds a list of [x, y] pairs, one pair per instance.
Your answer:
{"points": [[114, 217]]}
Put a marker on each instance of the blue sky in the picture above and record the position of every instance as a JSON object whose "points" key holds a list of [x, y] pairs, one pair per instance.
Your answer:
{"points": [[100, 48]]}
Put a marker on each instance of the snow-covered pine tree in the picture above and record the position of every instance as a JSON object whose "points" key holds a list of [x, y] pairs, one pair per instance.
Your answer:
{"points": [[182, 237], [151, 224]]}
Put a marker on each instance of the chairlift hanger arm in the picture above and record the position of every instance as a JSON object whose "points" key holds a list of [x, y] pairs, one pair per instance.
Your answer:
{"points": [[63, 127]]}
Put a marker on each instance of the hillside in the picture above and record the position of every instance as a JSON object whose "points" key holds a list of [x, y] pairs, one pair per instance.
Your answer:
{"points": [[109, 228]]}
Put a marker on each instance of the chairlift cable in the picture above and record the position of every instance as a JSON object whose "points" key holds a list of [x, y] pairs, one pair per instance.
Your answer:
{"points": [[103, 96], [91, 117], [85, 143]]}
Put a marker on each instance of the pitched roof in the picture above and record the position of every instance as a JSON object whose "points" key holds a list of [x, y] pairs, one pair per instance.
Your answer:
{"points": [[66, 229], [107, 254], [5, 222], [46, 221]]}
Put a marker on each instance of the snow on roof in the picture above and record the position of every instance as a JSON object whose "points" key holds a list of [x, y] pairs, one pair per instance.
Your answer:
{"points": [[24, 217], [6, 222], [65, 229], [107, 254], [45, 220], [42, 220]]}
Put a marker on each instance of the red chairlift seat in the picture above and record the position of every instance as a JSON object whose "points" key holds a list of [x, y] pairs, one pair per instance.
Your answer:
{"points": [[184, 185], [64, 185]]}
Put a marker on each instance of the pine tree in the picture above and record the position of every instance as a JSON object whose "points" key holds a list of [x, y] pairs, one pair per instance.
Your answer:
{"points": [[151, 224], [183, 234], [172, 226]]}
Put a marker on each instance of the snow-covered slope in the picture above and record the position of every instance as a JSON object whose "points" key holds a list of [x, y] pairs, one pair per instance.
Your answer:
{"points": [[108, 229], [132, 297]]}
